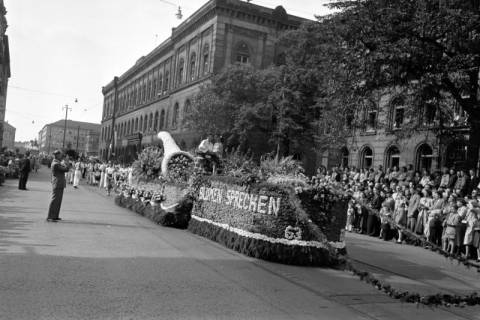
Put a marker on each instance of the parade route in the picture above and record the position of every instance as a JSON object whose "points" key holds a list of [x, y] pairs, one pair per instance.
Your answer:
{"points": [[105, 262]]}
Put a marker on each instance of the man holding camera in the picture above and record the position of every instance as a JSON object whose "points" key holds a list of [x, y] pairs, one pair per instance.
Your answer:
{"points": [[59, 168]]}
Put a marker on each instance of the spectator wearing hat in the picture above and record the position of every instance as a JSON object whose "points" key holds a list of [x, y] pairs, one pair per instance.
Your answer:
{"points": [[58, 184]]}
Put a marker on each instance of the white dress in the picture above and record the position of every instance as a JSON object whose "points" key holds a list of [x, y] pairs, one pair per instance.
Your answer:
{"points": [[77, 175]]}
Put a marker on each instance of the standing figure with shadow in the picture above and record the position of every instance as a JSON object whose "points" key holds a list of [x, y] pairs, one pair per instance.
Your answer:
{"points": [[24, 170], [59, 168]]}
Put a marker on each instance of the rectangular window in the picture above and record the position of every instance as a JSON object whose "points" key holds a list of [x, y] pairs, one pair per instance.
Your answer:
{"points": [[399, 116], [371, 120]]}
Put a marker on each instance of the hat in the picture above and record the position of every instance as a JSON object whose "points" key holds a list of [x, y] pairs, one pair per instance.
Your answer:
{"points": [[57, 152]]}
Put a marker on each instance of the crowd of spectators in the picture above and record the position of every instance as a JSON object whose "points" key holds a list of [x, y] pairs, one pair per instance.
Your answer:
{"points": [[443, 208]]}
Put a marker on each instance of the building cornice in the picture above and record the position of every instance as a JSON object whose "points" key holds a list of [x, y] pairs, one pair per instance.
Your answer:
{"points": [[227, 8]]}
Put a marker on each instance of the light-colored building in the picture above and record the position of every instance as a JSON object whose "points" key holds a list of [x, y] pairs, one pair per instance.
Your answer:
{"points": [[79, 136], [8, 136], [155, 93], [4, 68]]}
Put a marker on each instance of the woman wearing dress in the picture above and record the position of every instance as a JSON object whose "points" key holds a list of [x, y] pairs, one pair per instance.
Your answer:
{"points": [[471, 220], [109, 172], [77, 174]]}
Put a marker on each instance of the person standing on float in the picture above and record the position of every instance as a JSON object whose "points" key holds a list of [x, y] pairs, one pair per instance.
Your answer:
{"points": [[58, 185]]}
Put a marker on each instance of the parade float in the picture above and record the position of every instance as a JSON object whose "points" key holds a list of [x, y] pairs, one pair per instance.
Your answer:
{"points": [[271, 216]]}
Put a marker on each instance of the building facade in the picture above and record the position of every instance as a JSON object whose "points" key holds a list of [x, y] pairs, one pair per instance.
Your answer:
{"points": [[8, 136], [4, 69], [155, 93], [390, 135], [79, 136]]}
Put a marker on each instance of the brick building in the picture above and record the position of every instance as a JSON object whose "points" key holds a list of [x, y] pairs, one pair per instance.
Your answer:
{"points": [[4, 69], [155, 93], [79, 136]]}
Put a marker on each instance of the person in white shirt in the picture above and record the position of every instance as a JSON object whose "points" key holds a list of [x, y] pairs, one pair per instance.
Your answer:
{"points": [[206, 146], [205, 150]]}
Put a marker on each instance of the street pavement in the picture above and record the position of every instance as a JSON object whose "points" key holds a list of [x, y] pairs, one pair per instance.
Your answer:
{"points": [[105, 262]]}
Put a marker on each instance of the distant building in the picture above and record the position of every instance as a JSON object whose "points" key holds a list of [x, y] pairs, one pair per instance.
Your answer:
{"points": [[4, 69], [79, 136], [155, 94], [8, 136]]}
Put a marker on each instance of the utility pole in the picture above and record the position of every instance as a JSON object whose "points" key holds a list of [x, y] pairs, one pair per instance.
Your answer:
{"points": [[65, 127], [78, 133]]}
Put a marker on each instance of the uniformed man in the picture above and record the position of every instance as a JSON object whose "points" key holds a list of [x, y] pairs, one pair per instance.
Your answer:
{"points": [[59, 168]]}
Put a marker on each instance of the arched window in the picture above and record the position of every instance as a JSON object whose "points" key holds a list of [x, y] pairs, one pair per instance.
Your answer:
{"points": [[180, 70], [165, 82], [366, 157], [397, 112], [149, 90], [193, 59], [103, 134], [145, 123], [370, 116], [144, 92], [206, 58], [423, 157], [392, 157], [150, 122], [128, 127], [154, 89], [160, 84], [344, 157], [175, 115], [140, 124], [162, 119], [136, 125], [186, 111], [155, 125], [242, 54]]}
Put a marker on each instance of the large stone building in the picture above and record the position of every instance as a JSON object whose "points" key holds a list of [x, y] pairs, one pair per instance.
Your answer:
{"points": [[155, 93], [384, 138], [4, 68], [8, 136], [79, 136]]}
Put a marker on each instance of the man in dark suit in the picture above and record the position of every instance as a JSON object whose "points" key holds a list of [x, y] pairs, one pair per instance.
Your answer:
{"points": [[24, 171], [58, 184]]}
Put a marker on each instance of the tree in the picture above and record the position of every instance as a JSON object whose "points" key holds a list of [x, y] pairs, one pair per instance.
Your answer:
{"points": [[428, 49], [256, 109]]}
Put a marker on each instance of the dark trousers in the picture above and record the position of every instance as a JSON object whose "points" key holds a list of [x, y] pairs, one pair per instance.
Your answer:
{"points": [[372, 225], [22, 180], [54, 208]]}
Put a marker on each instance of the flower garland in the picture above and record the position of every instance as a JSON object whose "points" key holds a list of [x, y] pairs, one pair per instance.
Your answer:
{"points": [[439, 299]]}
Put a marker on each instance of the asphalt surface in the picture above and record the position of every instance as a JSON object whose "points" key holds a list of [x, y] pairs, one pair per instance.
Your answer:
{"points": [[105, 262]]}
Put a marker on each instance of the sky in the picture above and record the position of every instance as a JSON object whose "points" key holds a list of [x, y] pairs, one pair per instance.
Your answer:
{"points": [[62, 51]]}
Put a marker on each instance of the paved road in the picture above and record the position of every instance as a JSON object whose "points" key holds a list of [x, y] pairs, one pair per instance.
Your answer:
{"points": [[104, 262], [412, 268]]}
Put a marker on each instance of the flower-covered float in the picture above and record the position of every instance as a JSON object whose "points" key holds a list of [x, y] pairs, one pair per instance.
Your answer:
{"points": [[161, 189], [267, 214]]}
